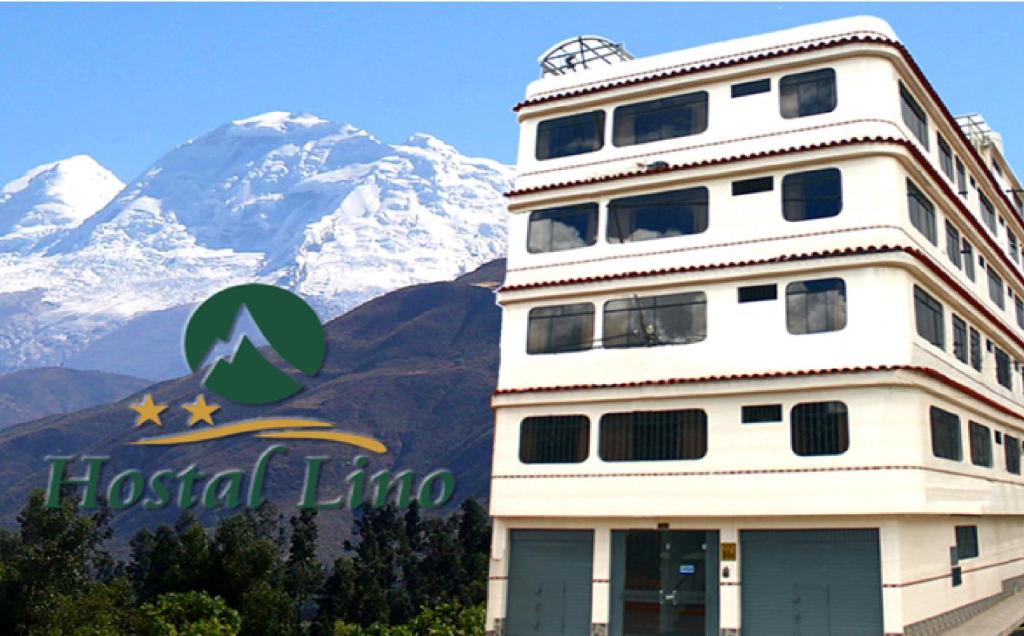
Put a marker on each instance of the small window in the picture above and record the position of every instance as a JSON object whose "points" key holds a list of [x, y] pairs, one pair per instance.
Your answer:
{"points": [[554, 439], [816, 194], [969, 260], [961, 178], [914, 116], [561, 328], [959, 339], [757, 293], [816, 306], [751, 88], [1004, 369], [945, 156], [953, 244], [966, 542], [650, 321], [655, 216], [819, 428], [572, 135], [1011, 451], [1012, 246], [995, 288], [981, 444], [760, 413], [997, 167], [805, 94], [654, 435], [988, 213], [976, 360], [752, 186], [1019, 303], [929, 318], [565, 228], [658, 119], [946, 435], [922, 212]]}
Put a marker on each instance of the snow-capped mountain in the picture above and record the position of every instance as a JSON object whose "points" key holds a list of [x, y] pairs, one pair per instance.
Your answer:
{"points": [[323, 208]]}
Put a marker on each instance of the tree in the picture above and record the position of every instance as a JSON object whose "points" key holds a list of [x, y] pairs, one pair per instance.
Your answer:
{"points": [[188, 614], [304, 574]]}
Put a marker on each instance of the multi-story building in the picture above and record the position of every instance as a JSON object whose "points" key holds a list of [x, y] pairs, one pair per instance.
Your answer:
{"points": [[760, 355]]}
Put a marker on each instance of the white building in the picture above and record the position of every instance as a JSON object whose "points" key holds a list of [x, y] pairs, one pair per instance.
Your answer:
{"points": [[760, 353]]}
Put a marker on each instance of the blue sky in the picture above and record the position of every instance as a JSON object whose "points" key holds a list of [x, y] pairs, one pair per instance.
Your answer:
{"points": [[126, 83]]}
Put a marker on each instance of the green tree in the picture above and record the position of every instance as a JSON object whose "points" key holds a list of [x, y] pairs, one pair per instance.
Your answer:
{"points": [[188, 614], [304, 574]]}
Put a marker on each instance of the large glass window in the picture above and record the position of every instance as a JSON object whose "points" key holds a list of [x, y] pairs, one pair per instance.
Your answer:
{"points": [[808, 93], [655, 216], [945, 156], [953, 244], [658, 119], [816, 194], [966, 542], [946, 434], [995, 288], [554, 439], [913, 115], [922, 212], [819, 428], [560, 328], [654, 435], [564, 228], [1011, 452], [572, 135], [815, 306], [928, 317], [655, 320], [959, 338], [1004, 368], [988, 213], [981, 444]]}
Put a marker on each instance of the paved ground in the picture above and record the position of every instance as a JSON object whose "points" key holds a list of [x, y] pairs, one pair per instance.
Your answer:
{"points": [[1002, 620]]}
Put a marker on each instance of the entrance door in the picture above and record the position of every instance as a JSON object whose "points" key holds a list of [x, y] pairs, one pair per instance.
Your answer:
{"points": [[550, 582], [664, 583]]}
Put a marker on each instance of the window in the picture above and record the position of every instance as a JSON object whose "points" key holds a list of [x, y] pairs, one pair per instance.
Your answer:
{"points": [[922, 212], [969, 260], [751, 88], [988, 213], [1019, 302], [655, 216], [751, 186], [659, 119], [928, 316], [953, 244], [995, 288], [997, 167], [981, 444], [757, 293], [554, 439], [913, 115], [961, 178], [975, 349], [959, 338], [816, 194], [809, 93], [655, 320], [565, 228], [1004, 374], [572, 135], [560, 328], [1012, 246], [758, 413], [966, 542], [945, 156], [815, 306], [654, 435], [1011, 451], [945, 434], [819, 428]]}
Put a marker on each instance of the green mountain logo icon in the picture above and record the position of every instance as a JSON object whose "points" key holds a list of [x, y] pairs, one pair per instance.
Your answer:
{"points": [[290, 326]]}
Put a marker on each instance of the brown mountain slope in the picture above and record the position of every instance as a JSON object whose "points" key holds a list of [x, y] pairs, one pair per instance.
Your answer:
{"points": [[34, 393]]}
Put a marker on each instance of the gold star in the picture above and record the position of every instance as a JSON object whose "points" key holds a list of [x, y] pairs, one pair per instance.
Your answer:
{"points": [[148, 411], [200, 411]]}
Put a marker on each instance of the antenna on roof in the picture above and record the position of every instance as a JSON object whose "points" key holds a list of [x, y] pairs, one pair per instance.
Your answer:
{"points": [[581, 52]]}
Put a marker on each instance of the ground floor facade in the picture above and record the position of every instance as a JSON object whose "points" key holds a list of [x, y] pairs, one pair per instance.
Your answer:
{"points": [[841, 576]]}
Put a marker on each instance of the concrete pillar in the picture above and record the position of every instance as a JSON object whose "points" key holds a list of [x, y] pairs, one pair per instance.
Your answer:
{"points": [[602, 573], [892, 597], [729, 586], [497, 583]]}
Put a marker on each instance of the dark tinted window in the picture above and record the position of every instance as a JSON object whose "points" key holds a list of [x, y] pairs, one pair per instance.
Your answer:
{"points": [[750, 186], [1011, 451], [913, 115], [1012, 246], [814, 306], [809, 93], [658, 119], [966, 542], [968, 259], [819, 428], [945, 156], [922, 212], [953, 244], [654, 435], [560, 328], [812, 195], [946, 435], [961, 178], [995, 288], [988, 213], [655, 320], [1019, 303], [928, 317], [572, 135], [565, 228], [981, 444], [554, 439], [975, 349], [661, 215], [751, 88], [1004, 369], [959, 339], [757, 293], [755, 414]]}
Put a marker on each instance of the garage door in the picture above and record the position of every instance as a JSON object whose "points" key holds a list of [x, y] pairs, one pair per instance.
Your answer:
{"points": [[811, 583], [549, 582]]}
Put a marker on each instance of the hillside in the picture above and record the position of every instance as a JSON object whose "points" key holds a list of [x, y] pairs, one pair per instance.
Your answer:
{"points": [[34, 393]]}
